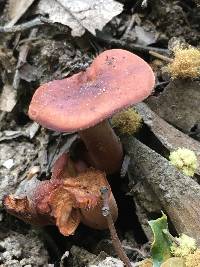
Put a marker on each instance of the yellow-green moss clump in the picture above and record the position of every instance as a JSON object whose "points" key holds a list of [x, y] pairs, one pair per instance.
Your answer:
{"points": [[186, 63], [193, 260], [190, 260], [127, 121], [186, 246], [185, 160]]}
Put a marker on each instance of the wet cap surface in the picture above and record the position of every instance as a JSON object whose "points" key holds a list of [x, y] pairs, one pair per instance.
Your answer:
{"points": [[115, 80]]}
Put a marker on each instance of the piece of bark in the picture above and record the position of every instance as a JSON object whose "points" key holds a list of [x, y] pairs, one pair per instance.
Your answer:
{"points": [[178, 104], [178, 194], [170, 137]]}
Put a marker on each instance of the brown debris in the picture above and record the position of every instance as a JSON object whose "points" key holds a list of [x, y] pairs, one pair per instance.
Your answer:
{"points": [[58, 200], [178, 104]]}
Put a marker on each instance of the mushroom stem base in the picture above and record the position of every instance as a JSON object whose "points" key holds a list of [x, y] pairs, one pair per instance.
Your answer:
{"points": [[103, 146]]}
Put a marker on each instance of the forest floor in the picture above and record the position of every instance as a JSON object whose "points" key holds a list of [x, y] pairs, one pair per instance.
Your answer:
{"points": [[40, 53]]}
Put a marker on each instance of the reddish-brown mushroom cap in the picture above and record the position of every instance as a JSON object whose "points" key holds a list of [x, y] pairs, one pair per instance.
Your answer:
{"points": [[115, 80]]}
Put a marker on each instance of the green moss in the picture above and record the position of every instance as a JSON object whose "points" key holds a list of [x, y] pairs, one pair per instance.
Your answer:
{"points": [[187, 245], [185, 160], [186, 63], [193, 259], [127, 121]]}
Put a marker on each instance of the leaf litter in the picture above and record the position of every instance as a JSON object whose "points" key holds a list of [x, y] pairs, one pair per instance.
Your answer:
{"points": [[78, 14], [55, 53]]}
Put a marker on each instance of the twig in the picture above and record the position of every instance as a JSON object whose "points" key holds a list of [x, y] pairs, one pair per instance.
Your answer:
{"points": [[2, 115], [125, 165], [24, 49], [129, 27], [24, 26], [156, 54], [143, 254], [131, 46], [161, 83], [29, 39], [31, 24], [115, 239]]}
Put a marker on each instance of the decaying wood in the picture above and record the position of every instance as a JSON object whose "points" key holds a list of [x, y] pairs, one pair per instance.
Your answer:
{"points": [[178, 104], [178, 194], [170, 137]]}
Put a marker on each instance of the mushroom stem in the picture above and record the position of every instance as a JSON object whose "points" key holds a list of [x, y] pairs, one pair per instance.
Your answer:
{"points": [[94, 218], [103, 147]]}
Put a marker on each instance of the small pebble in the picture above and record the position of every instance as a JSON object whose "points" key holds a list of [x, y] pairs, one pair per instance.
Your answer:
{"points": [[8, 164]]}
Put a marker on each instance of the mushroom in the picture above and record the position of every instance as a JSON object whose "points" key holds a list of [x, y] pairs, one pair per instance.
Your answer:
{"points": [[71, 196], [83, 102]]}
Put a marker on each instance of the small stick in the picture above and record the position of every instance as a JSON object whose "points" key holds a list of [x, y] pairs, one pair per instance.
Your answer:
{"points": [[31, 24], [22, 27], [125, 164], [130, 46], [156, 54], [115, 239], [130, 25], [141, 252], [24, 49], [162, 83]]}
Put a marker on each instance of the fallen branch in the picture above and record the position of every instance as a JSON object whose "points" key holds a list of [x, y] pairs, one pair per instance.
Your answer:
{"points": [[170, 137], [177, 194]]}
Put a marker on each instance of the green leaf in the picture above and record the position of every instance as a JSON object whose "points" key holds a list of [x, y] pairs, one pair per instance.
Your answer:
{"points": [[160, 249]]}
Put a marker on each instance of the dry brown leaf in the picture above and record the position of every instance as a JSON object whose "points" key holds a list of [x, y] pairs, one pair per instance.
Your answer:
{"points": [[85, 189], [67, 218], [81, 15], [16, 9]]}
